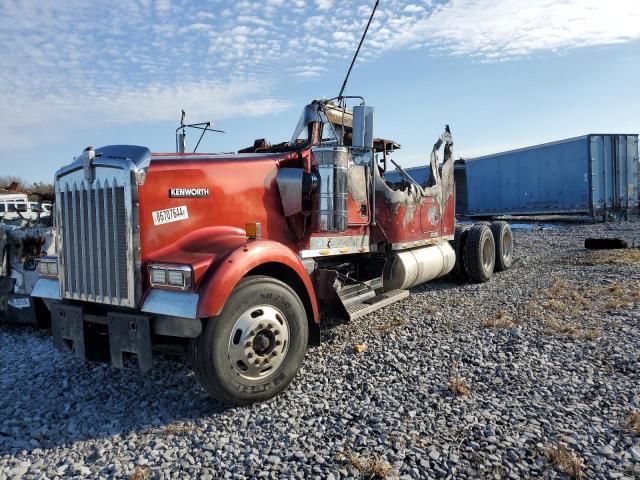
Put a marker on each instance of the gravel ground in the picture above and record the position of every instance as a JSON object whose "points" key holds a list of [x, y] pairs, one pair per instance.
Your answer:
{"points": [[388, 411]]}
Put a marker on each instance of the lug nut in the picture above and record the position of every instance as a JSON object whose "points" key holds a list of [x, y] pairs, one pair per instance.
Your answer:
{"points": [[248, 344], [266, 360], [249, 355], [257, 362], [277, 332], [269, 326], [260, 326], [274, 353], [278, 342]]}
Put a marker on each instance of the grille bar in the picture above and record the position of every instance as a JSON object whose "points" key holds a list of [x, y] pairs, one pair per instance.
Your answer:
{"points": [[95, 240], [100, 292], [105, 215], [116, 263]]}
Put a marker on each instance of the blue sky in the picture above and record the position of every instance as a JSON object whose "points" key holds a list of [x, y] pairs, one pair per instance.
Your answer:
{"points": [[502, 73]]}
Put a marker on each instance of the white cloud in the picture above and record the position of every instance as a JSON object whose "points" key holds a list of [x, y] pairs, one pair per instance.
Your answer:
{"points": [[155, 102], [163, 5], [253, 19], [148, 60], [308, 71], [496, 30], [324, 4], [412, 8]]}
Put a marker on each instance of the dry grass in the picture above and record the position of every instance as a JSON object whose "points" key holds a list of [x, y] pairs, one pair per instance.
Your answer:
{"points": [[627, 256], [565, 460], [633, 422], [459, 386], [566, 298], [501, 320], [177, 429], [622, 296], [140, 473], [370, 468], [572, 329], [571, 309], [392, 325]]}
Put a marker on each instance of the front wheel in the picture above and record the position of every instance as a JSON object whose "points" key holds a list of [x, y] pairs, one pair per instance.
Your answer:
{"points": [[254, 348]]}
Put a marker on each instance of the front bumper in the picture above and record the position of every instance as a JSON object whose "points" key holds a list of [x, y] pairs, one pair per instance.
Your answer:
{"points": [[125, 339], [157, 301], [129, 335], [18, 308], [15, 307]]}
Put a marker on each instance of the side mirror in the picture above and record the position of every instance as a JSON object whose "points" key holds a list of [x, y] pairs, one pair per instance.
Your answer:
{"points": [[362, 142], [362, 127]]}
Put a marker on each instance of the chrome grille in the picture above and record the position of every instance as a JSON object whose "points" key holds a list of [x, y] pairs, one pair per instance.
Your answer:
{"points": [[95, 238]]}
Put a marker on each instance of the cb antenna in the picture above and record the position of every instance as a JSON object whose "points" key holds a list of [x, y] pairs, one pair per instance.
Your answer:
{"points": [[346, 79]]}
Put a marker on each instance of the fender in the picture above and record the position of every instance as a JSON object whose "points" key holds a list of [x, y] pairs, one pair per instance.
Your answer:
{"points": [[225, 274]]}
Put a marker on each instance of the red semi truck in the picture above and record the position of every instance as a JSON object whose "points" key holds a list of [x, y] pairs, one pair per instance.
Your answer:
{"points": [[238, 257]]}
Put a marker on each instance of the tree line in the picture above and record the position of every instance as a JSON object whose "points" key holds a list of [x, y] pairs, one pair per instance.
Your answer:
{"points": [[22, 185]]}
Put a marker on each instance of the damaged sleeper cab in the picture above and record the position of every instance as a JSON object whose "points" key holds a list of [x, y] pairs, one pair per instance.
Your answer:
{"points": [[235, 258]]}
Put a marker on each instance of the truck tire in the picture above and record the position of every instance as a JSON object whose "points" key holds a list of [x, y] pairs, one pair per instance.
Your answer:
{"points": [[459, 271], [605, 243], [503, 239], [254, 348], [480, 253]]}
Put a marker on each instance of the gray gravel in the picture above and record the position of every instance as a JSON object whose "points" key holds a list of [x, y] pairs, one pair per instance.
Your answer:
{"points": [[529, 390]]}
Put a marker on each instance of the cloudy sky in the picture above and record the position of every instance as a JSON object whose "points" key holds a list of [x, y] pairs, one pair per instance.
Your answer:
{"points": [[503, 73]]}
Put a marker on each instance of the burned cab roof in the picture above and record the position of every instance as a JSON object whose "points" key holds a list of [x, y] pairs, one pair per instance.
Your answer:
{"points": [[383, 145]]}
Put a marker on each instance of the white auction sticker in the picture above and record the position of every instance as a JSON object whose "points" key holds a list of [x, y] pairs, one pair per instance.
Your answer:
{"points": [[19, 302], [170, 215]]}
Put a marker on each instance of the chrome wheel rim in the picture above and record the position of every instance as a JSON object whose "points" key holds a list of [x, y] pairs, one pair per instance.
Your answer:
{"points": [[258, 342], [488, 255], [507, 245]]}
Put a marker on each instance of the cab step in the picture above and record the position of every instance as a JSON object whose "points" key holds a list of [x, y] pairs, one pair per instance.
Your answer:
{"points": [[358, 310]]}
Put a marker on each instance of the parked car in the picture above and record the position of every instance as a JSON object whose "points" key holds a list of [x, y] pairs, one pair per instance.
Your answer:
{"points": [[17, 206]]}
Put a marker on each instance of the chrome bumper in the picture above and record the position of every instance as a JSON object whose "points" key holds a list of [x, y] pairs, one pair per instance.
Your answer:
{"points": [[160, 302]]}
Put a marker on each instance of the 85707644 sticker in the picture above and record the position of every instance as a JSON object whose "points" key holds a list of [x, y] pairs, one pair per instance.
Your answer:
{"points": [[170, 215]]}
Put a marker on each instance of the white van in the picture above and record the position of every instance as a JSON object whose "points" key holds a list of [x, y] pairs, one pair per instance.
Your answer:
{"points": [[15, 206]]}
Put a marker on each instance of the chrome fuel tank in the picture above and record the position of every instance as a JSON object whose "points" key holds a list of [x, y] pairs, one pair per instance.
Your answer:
{"points": [[413, 267]]}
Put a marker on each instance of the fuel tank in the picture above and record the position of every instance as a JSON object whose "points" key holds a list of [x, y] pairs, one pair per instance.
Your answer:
{"points": [[413, 267]]}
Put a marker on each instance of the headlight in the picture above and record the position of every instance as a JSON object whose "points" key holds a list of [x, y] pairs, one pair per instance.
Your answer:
{"points": [[158, 276], [174, 276], [48, 267]]}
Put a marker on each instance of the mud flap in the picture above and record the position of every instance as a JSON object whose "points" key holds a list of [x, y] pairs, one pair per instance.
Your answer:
{"points": [[130, 334], [67, 329], [6, 285]]}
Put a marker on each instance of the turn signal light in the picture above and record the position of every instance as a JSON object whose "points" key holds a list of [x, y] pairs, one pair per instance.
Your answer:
{"points": [[253, 230]]}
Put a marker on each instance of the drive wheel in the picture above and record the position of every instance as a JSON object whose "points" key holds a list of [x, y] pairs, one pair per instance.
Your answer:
{"points": [[255, 347], [459, 271], [480, 253], [504, 245]]}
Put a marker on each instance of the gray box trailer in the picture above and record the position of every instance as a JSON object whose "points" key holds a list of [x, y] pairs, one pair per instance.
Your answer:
{"points": [[595, 175]]}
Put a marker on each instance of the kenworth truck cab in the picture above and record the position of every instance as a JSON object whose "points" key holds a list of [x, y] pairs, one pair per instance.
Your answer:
{"points": [[237, 257]]}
